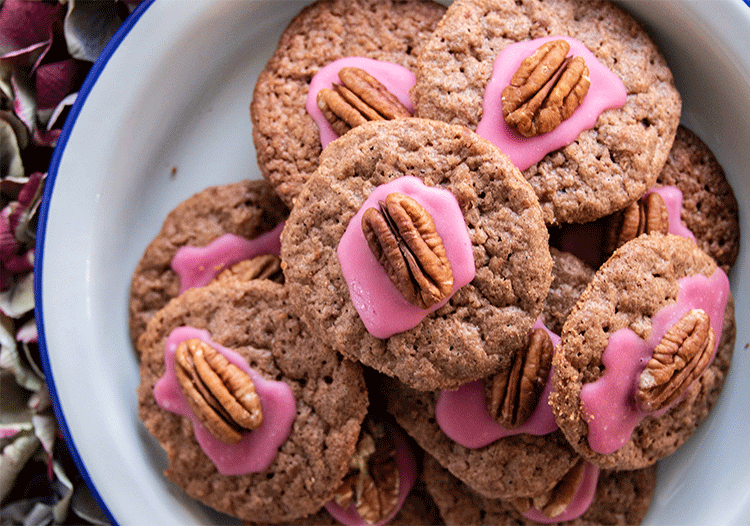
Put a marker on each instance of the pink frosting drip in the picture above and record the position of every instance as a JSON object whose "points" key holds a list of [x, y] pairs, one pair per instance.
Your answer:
{"points": [[197, 266], [609, 403], [606, 92], [397, 79], [673, 199], [462, 414], [257, 449], [383, 309], [407, 470], [581, 501]]}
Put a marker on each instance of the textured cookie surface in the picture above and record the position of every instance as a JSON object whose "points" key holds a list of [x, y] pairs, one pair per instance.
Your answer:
{"points": [[253, 319], [621, 498], [474, 333], [606, 167], [519, 465], [709, 207], [639, 280], [246, 209], [286, 138], [570, 277]]}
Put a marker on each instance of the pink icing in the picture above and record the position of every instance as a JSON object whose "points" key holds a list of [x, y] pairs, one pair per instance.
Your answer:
{"points": [[383, 309], [673, 199], [609, 403], [397, 79], [197, 266], [407, 470], [581, 501], [606, 92], [462, 414], [257, 449]]}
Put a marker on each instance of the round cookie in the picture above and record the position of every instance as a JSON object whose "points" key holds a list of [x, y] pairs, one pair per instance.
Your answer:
{"points": [[604, 168], [570, 276], [520, 465], [246, 209], [254, 320], [475, 332], [286, 138], [636, 298], [622, 497], [709, 207]]}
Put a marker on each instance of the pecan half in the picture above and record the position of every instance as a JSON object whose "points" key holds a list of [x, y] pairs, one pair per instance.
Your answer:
{"points": [[403, 238], [680, 357], [556, 500], [645, 216], [373, 480], [359, 98], [221, 394], [266, 266], [513, 396], [546, 89]]}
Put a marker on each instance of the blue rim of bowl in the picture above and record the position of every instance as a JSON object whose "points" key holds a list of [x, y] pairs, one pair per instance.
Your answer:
{"points": [[88, 84]]}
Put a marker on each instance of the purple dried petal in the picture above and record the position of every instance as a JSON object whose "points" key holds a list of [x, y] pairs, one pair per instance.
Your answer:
{"points": [[10, 152], [19, 298], [24, 23], [28, 332], [21, 264], [23, 217], [89, 26], [11, 361], [14, 458], [57, 80], [8, 245], [55, 119], [45, 430]]}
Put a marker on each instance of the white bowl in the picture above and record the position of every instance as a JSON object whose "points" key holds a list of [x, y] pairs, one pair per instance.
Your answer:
{"points": [[164, 113]]}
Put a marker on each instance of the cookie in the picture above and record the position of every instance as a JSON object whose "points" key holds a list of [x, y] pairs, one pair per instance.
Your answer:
{"points": [[491, 226], [588, 173], [518, 465], [247, 209], [621, 497], [614, 397], [570, 276], [287, 140], [291, 465], [709, 207]]}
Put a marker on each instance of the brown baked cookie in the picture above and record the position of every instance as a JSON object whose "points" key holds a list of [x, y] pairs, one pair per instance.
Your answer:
{"points": [[520, 465], [616, 398], [286, 138], [602, 169], [570, 276], [246, 209], [474, 333], [622, 497], [253, 319], [709, 207]]}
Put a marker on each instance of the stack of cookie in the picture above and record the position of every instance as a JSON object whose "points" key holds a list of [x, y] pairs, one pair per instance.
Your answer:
{"points": [[483, 280]]}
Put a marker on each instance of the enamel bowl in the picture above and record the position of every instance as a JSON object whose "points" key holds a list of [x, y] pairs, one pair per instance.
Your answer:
{"points": [[164, 114]]}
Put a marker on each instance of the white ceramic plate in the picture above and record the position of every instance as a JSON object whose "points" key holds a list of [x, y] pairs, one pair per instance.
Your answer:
{"points": [[164, 114]]}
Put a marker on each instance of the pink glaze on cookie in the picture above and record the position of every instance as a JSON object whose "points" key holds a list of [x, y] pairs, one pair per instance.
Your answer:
{"points": [[397, 79], [609, 404], [198, 266], [462, 414], [258, 448], [407, 471], [581, 501], [673, 199], [383, 309], [606, 92]]}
